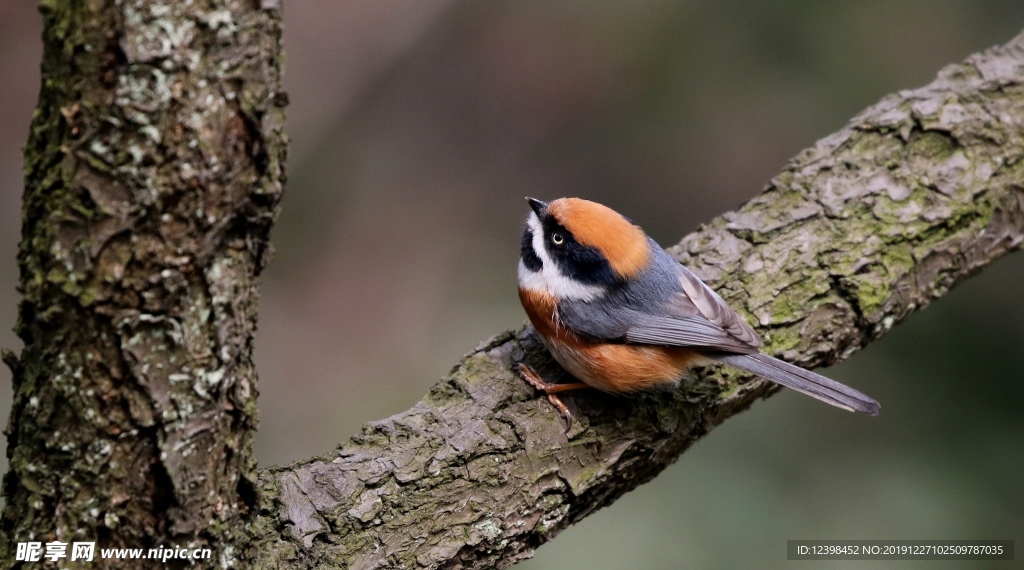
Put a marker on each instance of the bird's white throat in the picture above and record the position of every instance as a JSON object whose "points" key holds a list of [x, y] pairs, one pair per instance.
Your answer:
{"points": [[550, 279]]}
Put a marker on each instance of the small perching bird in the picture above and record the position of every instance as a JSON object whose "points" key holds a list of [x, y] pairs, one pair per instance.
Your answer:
{"points": [[620, 314]]}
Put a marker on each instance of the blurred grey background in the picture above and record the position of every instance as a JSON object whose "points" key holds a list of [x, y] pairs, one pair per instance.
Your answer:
{"points": [[418, 126]]}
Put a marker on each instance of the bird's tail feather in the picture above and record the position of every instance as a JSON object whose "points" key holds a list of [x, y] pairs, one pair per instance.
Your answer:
{"points": [[814, 385]]}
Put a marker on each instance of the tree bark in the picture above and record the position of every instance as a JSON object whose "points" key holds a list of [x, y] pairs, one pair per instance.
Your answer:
{"points": [[153, 173]]}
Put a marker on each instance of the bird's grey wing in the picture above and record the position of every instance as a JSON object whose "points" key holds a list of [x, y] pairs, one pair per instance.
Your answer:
{"points": [[689, 313], [713, 308], [696, 332], [668, 305], [609, 322]]}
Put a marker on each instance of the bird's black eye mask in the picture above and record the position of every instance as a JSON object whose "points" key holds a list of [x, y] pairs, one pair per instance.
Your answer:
{"points": [[527, 254], [579, 262]]}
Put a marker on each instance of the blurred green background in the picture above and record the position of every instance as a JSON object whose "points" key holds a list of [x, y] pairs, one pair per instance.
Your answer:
{"points": [[418, 126]]}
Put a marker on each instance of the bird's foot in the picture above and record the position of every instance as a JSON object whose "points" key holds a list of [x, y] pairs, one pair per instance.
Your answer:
{"points": [[551, 390]]}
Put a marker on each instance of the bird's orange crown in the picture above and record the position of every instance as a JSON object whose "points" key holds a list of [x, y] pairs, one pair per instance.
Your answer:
{"points": [[624, 244]]}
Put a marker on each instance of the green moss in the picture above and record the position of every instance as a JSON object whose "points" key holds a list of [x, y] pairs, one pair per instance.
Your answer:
{"points": [[931, 146], [871, 296], [782, 339]]}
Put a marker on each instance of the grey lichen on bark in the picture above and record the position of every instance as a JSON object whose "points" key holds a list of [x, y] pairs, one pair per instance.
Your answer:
{"points": [[153, 173], [872, 223]]}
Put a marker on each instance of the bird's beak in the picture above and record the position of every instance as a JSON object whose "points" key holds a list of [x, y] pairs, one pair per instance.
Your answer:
{"points": [[539, 207]]}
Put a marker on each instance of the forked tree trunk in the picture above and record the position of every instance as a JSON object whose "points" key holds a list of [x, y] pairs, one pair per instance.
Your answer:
{"points": [[153, 174]]}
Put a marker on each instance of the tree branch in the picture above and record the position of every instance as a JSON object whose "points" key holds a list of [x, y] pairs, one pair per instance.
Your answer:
{"points": [[874, 222]]}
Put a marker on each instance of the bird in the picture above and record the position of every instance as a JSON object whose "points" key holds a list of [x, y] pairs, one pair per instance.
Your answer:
{"points": [[620, 314]]}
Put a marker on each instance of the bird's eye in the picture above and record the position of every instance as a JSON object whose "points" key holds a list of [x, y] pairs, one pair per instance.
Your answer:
{"points": [[557, 239]]}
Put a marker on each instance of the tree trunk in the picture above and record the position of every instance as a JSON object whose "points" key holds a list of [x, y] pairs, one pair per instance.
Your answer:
{"points": [[153, 173]]}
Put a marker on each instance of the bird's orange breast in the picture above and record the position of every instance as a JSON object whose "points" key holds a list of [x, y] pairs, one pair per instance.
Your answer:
{"points": [[611, 367]]}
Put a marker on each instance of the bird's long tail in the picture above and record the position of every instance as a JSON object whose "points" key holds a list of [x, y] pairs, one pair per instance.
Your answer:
{"points": [[814, 385]]}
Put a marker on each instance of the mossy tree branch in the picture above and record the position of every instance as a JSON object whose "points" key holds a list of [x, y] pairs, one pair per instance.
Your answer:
{"points": [[153, 173], [874, 222]]}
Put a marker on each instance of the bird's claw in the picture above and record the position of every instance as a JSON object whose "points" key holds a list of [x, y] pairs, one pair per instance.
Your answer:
{"points": [[550, 390]]}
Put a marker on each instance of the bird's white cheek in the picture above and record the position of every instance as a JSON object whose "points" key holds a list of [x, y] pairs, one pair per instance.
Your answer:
{"points": [[565, 289], [531, 280], [550, 279]]}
